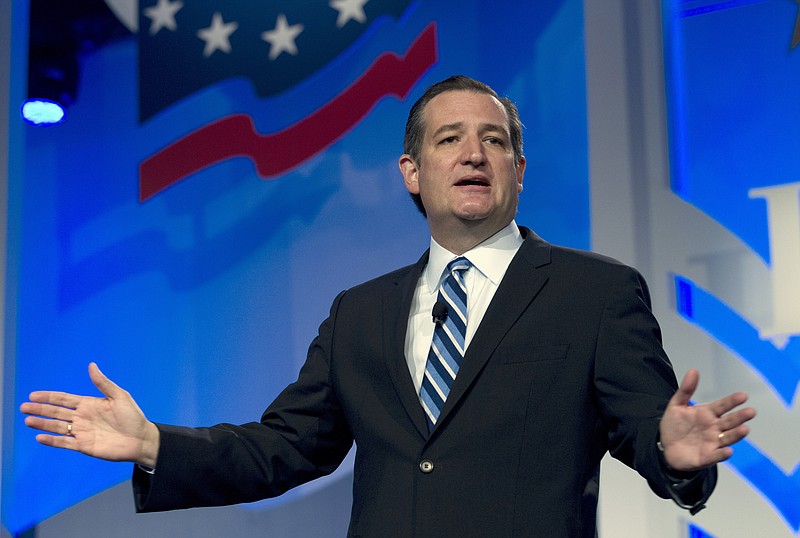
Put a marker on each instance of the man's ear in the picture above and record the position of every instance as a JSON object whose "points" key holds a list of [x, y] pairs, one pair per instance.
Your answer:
{"points": [[520, 173], [410, 171]]}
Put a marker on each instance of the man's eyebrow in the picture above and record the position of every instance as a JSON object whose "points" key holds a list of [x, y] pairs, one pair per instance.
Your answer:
{"points": [[448, 127], [493, 127]]}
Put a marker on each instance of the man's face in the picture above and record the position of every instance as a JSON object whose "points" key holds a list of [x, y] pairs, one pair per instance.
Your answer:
{"points": [[466, 172]]}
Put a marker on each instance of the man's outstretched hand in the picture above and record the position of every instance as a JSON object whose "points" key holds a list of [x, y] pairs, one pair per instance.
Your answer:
{"points": [[697, 436], [111, 428]]}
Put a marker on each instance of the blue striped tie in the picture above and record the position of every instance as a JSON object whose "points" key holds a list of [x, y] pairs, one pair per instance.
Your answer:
{"points": [[447, 348]]}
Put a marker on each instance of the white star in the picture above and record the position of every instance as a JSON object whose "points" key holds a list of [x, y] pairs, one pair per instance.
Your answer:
{"points": [[217, 36], [349, 9], [282, 37], [163, 15]]}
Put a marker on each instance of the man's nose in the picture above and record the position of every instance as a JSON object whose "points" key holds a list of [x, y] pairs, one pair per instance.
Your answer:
{"points": [[474, 152]]}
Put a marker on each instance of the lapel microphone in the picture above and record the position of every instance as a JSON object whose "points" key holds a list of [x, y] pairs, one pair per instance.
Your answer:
{"points": [[439, 312]]}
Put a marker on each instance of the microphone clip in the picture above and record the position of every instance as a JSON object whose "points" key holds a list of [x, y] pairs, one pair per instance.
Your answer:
{"points": [[439, 312]]}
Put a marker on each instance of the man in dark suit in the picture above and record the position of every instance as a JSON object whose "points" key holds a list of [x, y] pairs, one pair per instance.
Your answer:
{"points": [[558, 360]]}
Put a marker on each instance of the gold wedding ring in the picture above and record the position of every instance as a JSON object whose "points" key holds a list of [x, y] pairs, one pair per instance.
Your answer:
{"points": [[721, 436], [69, 429]]}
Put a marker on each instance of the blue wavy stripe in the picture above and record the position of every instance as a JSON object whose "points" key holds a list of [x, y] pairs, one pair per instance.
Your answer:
{"points": [[782, 491], [716, 5], [780, 368], [697, 532], [781, 371]]}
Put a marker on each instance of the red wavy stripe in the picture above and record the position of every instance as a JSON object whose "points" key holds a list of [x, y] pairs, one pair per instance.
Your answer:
{"points": [[274, 154]]}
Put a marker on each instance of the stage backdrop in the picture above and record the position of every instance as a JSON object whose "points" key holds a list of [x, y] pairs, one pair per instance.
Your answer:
{"points": [[225, 169], [732, 72]]}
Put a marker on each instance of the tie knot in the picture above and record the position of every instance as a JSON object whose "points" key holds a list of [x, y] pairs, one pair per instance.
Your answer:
{"points": [[459, 265]]}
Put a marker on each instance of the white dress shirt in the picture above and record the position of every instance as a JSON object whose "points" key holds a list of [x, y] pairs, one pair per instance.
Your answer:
{"points": [[490, 259]]}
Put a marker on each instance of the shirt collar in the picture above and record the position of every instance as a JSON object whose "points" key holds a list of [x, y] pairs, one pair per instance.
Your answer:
{"points": [[491, 257]]}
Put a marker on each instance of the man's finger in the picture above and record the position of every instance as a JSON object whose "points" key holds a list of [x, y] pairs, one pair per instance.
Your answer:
{"points": [[727, 403], [105, 385], [733, 436], [47, 410], [737, 418], [62, 399], [686, 390], [721, 455], [59, 427], [57, 441]]}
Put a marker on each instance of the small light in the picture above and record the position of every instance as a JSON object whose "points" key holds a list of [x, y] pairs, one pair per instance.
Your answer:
{"points": [[42, 112]]}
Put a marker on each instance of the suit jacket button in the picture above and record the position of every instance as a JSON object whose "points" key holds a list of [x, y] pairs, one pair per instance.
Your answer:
{"points": [[426, 466]]}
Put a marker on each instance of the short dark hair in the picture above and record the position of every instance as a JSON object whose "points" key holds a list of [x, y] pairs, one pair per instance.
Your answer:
{"points": [[415, 125]]}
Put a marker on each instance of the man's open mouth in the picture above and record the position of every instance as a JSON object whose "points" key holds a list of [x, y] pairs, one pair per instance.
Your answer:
{"points": [[469, 182]]}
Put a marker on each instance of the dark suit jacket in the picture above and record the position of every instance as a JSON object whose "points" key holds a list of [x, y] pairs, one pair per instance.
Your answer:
{"points": [[566, 365]]}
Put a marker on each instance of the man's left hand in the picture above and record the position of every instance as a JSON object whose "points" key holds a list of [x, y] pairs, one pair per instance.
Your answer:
{"points": [[698, 436]]}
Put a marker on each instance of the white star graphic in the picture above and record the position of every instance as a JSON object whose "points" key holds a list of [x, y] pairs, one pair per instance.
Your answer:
{"points": [[281, 39], [163, 15], [349, 10], [217, 36]]}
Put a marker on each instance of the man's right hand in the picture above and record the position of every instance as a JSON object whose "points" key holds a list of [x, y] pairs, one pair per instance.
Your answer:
{"points": [[111, 428]]}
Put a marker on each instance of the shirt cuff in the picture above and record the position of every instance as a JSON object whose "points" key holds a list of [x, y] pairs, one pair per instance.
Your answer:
{"points": [[689, 489], [147, 470]]}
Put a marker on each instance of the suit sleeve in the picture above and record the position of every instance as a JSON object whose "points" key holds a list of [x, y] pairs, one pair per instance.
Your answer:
{"points": [[635, 380], [302, 435]]}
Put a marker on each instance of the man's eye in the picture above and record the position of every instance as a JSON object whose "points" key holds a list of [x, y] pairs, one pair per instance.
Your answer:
{"points": [[494, 140], [448, 140]]}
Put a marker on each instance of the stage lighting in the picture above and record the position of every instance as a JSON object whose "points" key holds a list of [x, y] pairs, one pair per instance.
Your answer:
{"points": [[42, 112], [60, 34]]}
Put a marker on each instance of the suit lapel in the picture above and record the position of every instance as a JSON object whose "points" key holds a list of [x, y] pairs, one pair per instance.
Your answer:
{"points": [[523, 280], [396, 309]]}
